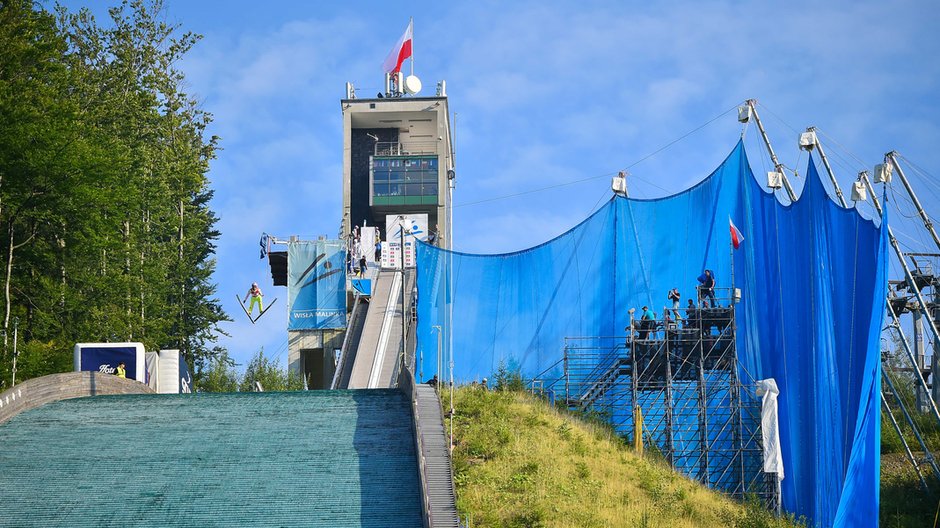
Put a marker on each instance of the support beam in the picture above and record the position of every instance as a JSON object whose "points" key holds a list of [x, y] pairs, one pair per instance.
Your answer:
{"points": [[892, 157], [926, 312], [773, 157], [863, 176], [907, 416], [832, 176], [907, 450], [896, 325], [931, 323]]}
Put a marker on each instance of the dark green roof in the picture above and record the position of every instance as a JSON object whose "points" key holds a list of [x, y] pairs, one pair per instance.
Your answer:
{"points": [[314, 458]]}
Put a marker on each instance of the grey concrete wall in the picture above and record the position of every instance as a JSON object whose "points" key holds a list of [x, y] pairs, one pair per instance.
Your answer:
{"points": [[54, 387]]}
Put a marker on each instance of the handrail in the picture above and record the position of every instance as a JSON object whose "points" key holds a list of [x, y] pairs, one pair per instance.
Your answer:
{"points": [[345, 348], [406, 384]]}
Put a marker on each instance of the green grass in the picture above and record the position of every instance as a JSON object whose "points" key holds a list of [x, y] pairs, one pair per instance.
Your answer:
{"points": [[903, 501], [521, 463]]}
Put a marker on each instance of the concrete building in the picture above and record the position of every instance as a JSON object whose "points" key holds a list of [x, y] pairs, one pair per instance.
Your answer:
{"points": [[398, 159]]}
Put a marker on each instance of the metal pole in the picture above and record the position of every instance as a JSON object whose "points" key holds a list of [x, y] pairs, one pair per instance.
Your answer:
{"points": [[777, 165], [913, 284], [892, 157], [401, 234], [863, 176], [438, 372], [896, 324], [832, 176], [900, 255], [919, 393], [907, 450], [935, 362], [452, 402], [927, 454]]}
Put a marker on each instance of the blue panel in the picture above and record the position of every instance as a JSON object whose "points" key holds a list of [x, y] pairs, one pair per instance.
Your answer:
{"points": [[106, 359], [813, 283], [363, 286], [316, 285]]}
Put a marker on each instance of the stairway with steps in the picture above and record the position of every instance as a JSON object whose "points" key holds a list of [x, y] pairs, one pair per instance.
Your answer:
{"points": [[436, 451], [308, 458]]}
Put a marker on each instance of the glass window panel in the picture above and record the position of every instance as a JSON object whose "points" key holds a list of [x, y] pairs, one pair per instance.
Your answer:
{"points": [[430, 189], [380, 189]]}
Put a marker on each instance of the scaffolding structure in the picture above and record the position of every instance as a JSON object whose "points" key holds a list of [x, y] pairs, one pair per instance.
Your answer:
{"points": [[680, 379]]}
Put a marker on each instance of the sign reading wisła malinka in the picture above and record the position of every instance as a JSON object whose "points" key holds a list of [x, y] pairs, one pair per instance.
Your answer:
{"points": [[316, 285]]}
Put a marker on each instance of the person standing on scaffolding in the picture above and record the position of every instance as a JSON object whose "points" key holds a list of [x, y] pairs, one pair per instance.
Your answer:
{"points": [[646, 323], [256, 297], [706, 289], [674, 296]]}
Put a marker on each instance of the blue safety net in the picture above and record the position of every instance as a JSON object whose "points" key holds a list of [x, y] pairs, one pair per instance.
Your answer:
{"points": [[812, 277]]}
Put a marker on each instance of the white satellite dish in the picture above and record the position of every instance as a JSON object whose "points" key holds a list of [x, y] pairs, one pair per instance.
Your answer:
{"points": [[412, 84]]}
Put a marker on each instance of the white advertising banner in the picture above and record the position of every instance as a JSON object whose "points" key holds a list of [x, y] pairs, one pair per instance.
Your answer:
{"points": [[367, 239], [416, 227]]}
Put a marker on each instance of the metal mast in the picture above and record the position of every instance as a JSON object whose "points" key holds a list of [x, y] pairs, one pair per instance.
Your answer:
{"points": [[892, 157], [825, 160], [773, 157]]}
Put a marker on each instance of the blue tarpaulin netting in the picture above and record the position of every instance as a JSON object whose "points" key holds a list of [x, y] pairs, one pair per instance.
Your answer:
{"points": [[813, 280]]}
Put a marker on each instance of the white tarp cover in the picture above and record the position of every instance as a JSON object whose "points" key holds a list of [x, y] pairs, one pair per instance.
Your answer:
{"points": [[770, 427], [169, 372]]}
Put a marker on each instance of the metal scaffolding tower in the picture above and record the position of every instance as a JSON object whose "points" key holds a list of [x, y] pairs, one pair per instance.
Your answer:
{"points": [[683, 378]]}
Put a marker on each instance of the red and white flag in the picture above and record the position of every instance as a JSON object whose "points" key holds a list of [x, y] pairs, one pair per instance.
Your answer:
{"points": [[736, 236], [400, 52]]}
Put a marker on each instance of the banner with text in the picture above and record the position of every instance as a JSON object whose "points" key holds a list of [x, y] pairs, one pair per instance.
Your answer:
{"points": [[316, 285]]}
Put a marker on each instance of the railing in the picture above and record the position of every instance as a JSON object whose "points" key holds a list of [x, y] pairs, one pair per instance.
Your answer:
{"points": [[683, 372], [410, 148], [406, 384], [343, 351]]}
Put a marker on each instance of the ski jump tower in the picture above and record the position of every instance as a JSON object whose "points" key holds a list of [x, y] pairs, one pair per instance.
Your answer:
{"points": [[398, 181], [397, 157]]}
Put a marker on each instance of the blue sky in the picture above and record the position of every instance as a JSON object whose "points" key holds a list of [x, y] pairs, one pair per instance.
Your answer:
{"points": [[546, 93]]}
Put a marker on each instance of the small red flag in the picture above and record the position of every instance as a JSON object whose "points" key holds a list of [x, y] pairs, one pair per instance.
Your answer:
{"points": [[736, 237]]}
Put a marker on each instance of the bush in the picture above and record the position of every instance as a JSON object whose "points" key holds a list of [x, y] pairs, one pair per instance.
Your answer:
{"points": [[269, 374], [508, 377]]}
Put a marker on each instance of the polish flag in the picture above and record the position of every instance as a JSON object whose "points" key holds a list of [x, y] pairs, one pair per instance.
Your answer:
{"points": [[736, 236], [400, 52]]}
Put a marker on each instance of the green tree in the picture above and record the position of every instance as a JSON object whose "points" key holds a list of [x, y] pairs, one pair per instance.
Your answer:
{"points": [[219, 375], [106, 232], [270, 374]]}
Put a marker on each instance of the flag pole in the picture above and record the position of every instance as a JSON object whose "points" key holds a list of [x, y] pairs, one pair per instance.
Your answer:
{"points": [[731, 250], [411, 22]]}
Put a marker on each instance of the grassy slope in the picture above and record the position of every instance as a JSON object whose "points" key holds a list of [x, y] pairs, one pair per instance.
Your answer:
{"points": [[903, 502], [519, 462]]}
